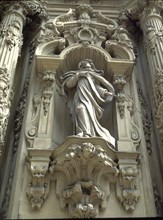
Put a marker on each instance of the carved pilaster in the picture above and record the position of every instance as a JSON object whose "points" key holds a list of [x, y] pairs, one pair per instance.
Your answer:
{"points": [[40, 115]]}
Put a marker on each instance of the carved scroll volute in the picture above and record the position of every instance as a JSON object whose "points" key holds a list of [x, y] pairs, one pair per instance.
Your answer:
{"points": [[39, 180], [82, 168], [119, 83], [127, 187]]}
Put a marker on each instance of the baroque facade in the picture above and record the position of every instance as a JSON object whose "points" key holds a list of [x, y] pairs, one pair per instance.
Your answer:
{"points": [[81, 108]]}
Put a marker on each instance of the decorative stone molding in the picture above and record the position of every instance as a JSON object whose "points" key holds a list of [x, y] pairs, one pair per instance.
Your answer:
{"points": [[83, 167], [128, 192], [39, 181]]}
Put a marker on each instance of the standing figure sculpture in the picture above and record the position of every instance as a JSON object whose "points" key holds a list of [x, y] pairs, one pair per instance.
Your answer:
{"points": [[86, 91]]}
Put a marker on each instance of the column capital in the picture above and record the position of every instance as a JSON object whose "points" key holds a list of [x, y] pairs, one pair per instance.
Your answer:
{"points": [[35, 7], [147, 8]]}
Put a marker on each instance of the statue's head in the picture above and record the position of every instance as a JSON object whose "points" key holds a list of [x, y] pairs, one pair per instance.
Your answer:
{"points": [[86, 63]]}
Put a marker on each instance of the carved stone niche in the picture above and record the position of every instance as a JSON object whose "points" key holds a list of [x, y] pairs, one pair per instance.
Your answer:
{"points": [[83, 169]]}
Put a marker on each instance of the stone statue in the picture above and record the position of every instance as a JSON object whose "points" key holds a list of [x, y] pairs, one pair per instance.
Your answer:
{"points": [[86, 90]]}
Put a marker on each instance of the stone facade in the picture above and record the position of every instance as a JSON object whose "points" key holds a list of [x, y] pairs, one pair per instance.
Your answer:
{"points": [[47, 169]]}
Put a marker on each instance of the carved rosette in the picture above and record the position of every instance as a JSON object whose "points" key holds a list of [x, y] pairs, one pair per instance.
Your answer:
{"points": [[38, 188], [119, 83], [127, 187], [84, 166]]}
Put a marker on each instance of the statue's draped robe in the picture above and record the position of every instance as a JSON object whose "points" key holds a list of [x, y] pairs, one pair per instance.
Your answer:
{"points": [[90, 93]]}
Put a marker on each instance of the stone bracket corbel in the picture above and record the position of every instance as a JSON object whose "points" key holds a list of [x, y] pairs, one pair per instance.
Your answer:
{"points": [[127, 186], [39, 179]]}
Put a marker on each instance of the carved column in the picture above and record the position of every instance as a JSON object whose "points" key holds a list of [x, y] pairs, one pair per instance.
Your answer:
{"points": [[11, 40], [152, 26], [10, 47]]}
